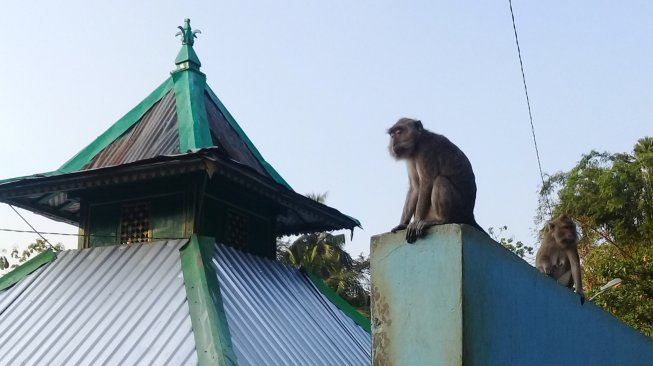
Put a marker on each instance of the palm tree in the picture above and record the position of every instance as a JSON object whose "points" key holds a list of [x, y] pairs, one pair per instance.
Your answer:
{"points": [[323, 255]]}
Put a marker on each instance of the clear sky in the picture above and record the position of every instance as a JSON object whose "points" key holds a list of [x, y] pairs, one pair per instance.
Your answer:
{"points": [[316, 84]]}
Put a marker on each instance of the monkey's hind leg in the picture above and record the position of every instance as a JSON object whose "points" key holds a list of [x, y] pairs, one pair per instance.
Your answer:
{"points": [[447, 204]]}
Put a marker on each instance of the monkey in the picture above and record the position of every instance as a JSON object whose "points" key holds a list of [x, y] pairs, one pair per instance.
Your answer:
{"points": [[442, 186], [558, 257]]}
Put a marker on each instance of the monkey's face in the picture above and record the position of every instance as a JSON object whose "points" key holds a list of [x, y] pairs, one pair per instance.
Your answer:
{"points": [[403, 137], [564, 231]]}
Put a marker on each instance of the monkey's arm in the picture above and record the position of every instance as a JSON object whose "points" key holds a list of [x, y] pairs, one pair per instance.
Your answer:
{"points": [[419, 225], [423, 203], [574, 261], [543, 264], [411, 200], [409, 210]]}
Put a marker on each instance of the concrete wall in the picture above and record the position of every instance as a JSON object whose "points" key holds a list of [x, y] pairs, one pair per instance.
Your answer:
{"points": [[457, 281], [417, 300]]}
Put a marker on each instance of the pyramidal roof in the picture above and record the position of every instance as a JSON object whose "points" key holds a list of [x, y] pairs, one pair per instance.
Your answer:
{"points": [[180, 127], [182, 115]]}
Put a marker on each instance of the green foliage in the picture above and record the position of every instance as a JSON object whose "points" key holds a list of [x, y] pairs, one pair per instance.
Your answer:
{"points": [[323, 254], [610, 196], [17, 257], [516, 247]]}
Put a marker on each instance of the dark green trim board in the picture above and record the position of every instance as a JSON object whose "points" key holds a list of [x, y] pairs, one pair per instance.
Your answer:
{"points": [[26, 268], [194, 132], [210, 328], [33, 176], [125, 123], [277, 177], [341, 303]]}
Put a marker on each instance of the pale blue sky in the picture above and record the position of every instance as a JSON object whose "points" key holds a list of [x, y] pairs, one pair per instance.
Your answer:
{"points": [[316, 84]]}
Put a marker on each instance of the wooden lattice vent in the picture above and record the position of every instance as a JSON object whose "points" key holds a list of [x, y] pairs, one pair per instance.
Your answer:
{"points": [[236, 228], [135, 224]]}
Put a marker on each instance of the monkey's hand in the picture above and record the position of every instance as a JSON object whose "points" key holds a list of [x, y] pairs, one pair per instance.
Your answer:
{"points": [[416, 230], [397, 228], [546, 268]]}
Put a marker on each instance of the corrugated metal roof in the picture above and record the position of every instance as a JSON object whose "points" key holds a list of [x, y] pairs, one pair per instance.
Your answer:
{"points": [[118, 305], [155, 134], [225, 136], [276, 315]]}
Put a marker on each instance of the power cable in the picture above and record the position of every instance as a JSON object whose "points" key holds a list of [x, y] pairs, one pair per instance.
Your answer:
{"points": [[32, 227], [528, 103], [84, 235]]}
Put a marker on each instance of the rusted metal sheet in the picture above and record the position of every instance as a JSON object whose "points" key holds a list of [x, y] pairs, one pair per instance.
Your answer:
{"points": [[154, 135], [157, 134], [225, 137]]}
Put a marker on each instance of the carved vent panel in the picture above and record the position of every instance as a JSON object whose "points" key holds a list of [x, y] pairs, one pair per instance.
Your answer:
{"points": [[135, 224], [236, 229]]}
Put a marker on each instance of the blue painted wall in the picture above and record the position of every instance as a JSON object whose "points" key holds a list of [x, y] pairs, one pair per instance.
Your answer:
{"points": [[499, 311], [514, 315]]}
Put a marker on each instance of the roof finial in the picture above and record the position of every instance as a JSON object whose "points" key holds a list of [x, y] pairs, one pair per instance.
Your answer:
{"points": [[187, 35], [187, 58]]}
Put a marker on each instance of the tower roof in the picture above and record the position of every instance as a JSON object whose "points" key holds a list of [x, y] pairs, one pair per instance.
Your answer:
{"points": [[183, 125], [182, 115]]}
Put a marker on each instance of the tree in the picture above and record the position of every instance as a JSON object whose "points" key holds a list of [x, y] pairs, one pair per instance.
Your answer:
{"points": [[17, 257], [323, 255], [610, 196], [516, 247]]}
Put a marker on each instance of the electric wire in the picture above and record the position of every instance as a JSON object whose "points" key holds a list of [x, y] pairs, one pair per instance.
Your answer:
{"points": [[45, 232], [32, 227], [528, 103], [84, 235]]}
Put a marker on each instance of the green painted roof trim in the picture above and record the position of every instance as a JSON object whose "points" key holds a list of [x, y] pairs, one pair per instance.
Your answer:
{"points": [[26, 268], [276, 176], [38, 175], [341, 303], [123, 125], [210, 328], [192, 120], [187, 54]]}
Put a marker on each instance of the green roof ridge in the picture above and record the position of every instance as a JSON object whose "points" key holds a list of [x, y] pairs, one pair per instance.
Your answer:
{"points": [[26, 268], [192, 120], [83, 157], [209, 322], [230, 119], [340, 303]]}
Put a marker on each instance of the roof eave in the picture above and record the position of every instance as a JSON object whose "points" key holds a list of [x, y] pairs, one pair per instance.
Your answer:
{"points": [[312, 216]]}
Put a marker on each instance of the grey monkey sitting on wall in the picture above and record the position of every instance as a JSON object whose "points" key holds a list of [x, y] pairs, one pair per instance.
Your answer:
{"points": [[442, 184], [558, 256]]}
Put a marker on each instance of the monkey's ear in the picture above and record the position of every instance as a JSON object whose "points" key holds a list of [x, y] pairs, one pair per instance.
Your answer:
{"points": [[550, 226], [418, 124]]}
